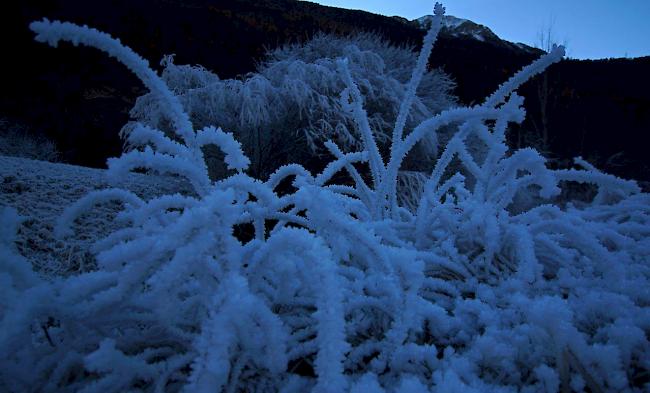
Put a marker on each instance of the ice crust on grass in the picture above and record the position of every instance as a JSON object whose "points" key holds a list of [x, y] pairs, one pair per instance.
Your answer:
{"points": [[342, 287]]}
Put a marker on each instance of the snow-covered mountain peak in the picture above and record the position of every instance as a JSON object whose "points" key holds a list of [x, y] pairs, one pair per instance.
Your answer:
{"points": [[452, 22], [459, 26], [465, 28]]}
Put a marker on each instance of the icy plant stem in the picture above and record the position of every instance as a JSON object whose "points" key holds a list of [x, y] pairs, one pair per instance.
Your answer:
{"points": [[416, 77], [53, 32]]}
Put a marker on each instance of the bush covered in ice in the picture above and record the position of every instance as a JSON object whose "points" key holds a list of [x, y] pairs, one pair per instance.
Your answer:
{"points": [[285, 111], [341, 288], [17, 141]]}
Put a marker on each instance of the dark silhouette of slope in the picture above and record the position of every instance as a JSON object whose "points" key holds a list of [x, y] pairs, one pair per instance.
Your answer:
{"points": [[80, 98], [597, 109]]}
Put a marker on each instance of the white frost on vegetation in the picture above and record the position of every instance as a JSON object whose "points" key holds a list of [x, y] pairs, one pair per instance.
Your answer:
{"points": [[344, 287], [294, 95]]}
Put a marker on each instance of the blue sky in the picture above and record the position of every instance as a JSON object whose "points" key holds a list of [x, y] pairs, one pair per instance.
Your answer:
{"points": [[591, 29]]}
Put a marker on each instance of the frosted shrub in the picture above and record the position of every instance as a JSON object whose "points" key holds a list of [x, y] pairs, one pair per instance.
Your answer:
{"points": [[17, 141], [341, 288], [286, 110]]}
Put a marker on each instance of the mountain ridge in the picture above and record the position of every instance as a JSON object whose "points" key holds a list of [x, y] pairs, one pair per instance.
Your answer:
{"points": [[80, 99], [454, 26]]}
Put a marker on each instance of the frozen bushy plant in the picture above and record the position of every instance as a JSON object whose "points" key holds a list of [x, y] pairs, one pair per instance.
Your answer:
{"points": [[286, 110], [342, 287], [17, 141]]}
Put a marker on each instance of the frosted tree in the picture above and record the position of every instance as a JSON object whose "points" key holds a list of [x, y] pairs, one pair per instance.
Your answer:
{"points": [[342, 287], [286, 110]]}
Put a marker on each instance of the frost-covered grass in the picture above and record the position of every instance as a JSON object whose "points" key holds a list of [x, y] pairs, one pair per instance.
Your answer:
{"points": [[40, 191], [484, 284]]}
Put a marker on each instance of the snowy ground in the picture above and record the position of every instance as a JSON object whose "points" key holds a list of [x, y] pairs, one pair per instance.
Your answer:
{"points": [[40, 191]]}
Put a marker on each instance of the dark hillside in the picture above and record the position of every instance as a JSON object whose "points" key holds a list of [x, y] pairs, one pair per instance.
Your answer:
{"points": [[599, 110], [80, 98]]}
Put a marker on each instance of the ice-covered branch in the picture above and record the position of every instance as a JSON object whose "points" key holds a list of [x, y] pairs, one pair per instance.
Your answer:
{"points": [[333, 167], [195, 173], [389, 183], [353, 101], [84, 204], [234, 155], [419, 69], [53, 32], [538, 66]]}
